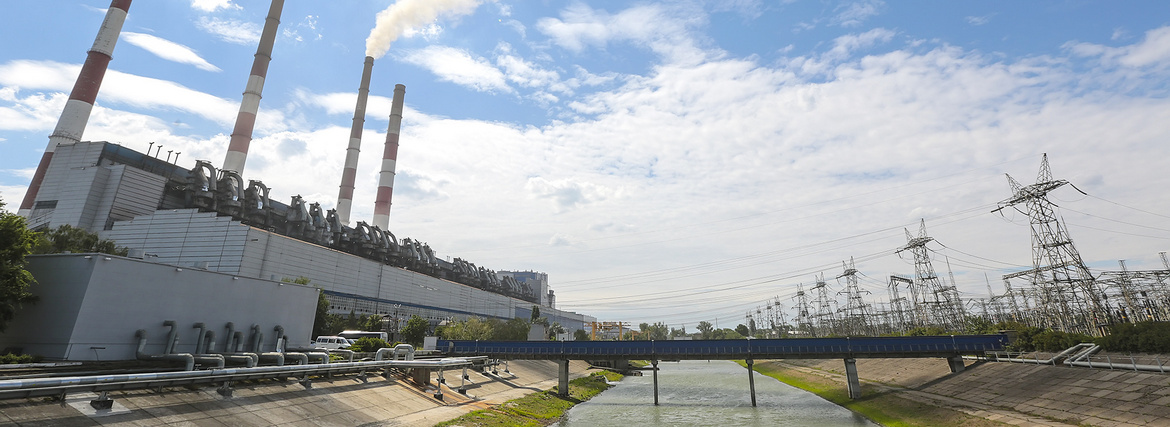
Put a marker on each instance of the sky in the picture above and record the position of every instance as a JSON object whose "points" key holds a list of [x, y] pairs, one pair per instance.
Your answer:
{"points": [[673, 162]]}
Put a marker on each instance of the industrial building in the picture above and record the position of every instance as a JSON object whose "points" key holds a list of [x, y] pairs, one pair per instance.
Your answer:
{"points": [[206, 249]]}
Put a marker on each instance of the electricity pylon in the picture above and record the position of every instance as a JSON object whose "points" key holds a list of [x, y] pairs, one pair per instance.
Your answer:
{"points": [[935, 304], [1057, 267]]}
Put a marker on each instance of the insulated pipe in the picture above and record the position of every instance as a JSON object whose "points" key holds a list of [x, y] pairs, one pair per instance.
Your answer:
{"points": [[280, 345], [171, 336], [209, 342], [349, 174], [406, 349], [201, 335], [71, 124], [246, 119], [140, 353], [389, 162]]}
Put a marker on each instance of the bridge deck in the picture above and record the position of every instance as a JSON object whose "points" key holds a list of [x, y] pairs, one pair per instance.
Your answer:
{"points": [[794, 348]]}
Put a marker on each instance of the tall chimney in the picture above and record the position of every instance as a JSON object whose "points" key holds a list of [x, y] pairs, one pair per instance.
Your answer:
{"points": [[345, 195], [71, 124], [389, 161], [246, 120]]}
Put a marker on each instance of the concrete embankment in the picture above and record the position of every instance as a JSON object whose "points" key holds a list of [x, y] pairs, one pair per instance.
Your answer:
{"points": [[337, 401], [1014, 393]]}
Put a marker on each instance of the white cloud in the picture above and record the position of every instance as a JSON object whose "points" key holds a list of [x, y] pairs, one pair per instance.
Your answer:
{"points": [[979, 20], [460, 67], [1153, 50], [852, 14], [168, 50], [230, 30], [667, 32], [213, 5], [428, 32]]}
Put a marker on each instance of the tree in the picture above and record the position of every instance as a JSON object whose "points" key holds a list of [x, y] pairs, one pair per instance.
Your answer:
{"points": [[373, 323], [580, 335], [415, 330], [16, 242], [743, 330], [705, 329], [323, 322], [554, 330], [512, 330], [535, 313], [678, 332], [474, 328], [67, 238]]}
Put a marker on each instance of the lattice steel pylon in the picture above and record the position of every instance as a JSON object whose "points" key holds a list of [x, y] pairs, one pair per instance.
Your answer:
{"points": [[1057, 267], [935, 304], [826, 318], [803, 317], [856, 320]]}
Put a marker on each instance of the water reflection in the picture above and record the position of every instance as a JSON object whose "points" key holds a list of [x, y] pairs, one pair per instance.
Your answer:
{"points": [[702, 393]]}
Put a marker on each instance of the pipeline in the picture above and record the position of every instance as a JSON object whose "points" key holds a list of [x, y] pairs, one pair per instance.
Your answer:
{"points": [[407, 349], [201, 336], [282, 347], [314, 355], [1081, 361], [230, 351], [273, 358], [1054, 360], [140, 353]]}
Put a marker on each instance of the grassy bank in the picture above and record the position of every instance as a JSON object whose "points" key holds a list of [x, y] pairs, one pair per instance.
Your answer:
{"points": [[537, 409], [883, 407]]}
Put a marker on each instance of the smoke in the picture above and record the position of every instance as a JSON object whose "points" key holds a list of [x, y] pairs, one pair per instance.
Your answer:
{"points": [[406, 14]]}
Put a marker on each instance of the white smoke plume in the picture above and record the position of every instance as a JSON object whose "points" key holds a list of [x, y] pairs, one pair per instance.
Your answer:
{"points": [[405, 14]]}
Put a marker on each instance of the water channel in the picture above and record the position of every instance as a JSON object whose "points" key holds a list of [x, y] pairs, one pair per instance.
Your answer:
{"points": [[702, 393]]}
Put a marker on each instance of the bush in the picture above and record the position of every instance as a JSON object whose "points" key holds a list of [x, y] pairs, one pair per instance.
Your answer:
{"points": [[1142, 337], [9, 358], [368, 344]]}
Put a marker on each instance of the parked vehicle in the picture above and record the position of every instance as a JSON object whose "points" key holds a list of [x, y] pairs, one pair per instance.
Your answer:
{"points": [[356, 335], [331, 343]]}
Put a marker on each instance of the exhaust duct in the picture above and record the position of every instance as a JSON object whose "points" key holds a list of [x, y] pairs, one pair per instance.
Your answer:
{"points": [[74, 117]]}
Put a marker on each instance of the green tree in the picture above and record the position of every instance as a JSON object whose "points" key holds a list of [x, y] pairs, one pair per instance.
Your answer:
{"points": [[415, 330], [742, 330], [512, 330], [705, 328], [16, 242], [323, 322], [367, 344], [474, 328], [373, 323], [678, 332], [67, 238], [535, 313], [554, 330], [580, 335]]}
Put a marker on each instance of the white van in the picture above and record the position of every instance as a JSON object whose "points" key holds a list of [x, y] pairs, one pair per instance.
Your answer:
{"points": [[331, 343]]}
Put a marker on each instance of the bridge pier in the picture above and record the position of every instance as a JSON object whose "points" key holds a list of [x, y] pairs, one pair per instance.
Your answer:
{"points": [[655, 363], [563, 385], [854, 384], [752, 380], [956, 363]]}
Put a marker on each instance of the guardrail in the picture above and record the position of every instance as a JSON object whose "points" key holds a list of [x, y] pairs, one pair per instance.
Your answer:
{"points": [[807, 348]]}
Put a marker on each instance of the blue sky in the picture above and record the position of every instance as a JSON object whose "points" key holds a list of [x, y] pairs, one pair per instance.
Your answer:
{"points": [[662, 161]]}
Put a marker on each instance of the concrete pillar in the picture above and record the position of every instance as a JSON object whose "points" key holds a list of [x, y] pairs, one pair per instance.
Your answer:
{"points": [[421, 376], [655, 364], [956, 363], [752, 380], [854, 383], [563, 385]]}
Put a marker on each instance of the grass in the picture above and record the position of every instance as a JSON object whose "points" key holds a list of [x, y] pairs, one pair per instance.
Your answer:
{"points": [[883, 407], [537, 409]]}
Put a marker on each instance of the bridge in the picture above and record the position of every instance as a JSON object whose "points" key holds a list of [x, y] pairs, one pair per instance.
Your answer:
{"points": [[950, 347]]}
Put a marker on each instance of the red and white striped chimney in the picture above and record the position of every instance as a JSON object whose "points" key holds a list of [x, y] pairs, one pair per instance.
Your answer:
{"points": [[349, 174], [74, 117], [237, 153], [389, 161]]}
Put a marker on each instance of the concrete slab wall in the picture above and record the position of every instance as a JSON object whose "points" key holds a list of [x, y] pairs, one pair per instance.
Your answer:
{"points": [[91, 305]]}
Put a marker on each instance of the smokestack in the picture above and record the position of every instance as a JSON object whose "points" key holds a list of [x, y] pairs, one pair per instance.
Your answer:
{"points": [[71, 124], [246, 120], [345, 195], [389, 161]]}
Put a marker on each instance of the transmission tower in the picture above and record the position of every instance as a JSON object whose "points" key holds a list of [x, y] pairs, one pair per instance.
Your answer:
{"points": [[803, 317], [898, 304], [1069, 289], [826, 320], [939, 305], [856, 311]]}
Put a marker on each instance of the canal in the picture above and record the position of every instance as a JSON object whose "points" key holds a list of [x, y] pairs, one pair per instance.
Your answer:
{"points": [[702, 393]]}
